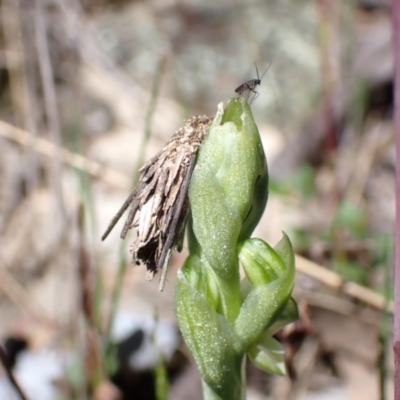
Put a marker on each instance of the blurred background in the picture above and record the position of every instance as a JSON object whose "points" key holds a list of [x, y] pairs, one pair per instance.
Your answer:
{"points": [[90, 89]]}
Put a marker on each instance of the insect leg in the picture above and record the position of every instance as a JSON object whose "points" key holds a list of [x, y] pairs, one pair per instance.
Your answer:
{"points": [[256, 94]]}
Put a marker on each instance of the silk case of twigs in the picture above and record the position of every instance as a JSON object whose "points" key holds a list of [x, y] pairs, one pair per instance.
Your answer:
{"points": [[159, 203]]}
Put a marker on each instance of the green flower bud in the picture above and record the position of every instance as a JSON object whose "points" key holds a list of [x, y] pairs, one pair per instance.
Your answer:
{"points": [[263, 305], [227, 193]]}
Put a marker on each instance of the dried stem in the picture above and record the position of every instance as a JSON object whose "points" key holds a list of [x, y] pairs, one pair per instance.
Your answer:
{"points": [[396, 327], [94, 368], [337, 282], [75, 160], [10, 375], [50, 99], [17, 58]]}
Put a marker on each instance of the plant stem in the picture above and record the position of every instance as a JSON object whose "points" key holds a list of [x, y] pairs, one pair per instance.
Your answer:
{"points": [[396, 327], [122, 257], [209, 394], [149, 117]]}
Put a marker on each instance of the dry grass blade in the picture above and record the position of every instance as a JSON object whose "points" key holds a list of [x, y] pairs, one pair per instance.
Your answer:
{"points": [[17, 60], [84, 275], [49, 149], [93, 360], [50, 98]]}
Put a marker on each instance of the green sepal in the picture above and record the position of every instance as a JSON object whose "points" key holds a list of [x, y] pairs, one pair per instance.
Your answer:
{"points": [[285, 251], [268, 355], [192, 269], [289, 314], [261, 263], [264, 303], [210, 339], [259, 267]]}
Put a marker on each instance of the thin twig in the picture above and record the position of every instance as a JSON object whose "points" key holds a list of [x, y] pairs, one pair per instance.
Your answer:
{"points": [[75, 160], [50, 99], [10, 375], [339, 305], [93, 359], [84, 274], [396, 322], [14, 57], [385, 325], [336, 282], [17, 56]]}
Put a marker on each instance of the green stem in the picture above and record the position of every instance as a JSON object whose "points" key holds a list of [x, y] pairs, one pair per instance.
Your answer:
{"points": [[230, 301], [149, 118], [116, 294], [209, 394], [122, 257]]}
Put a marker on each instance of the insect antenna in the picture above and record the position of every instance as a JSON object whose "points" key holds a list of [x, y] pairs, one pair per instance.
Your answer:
{"points": [[262, 76], [257, 82], [258, 77]]}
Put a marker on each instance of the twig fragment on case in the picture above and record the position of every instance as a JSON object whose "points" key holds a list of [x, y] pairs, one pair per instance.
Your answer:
{"points": [[159, 203]]}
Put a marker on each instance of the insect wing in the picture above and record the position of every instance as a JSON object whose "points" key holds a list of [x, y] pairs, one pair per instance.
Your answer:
{"points": [[241, 88]]}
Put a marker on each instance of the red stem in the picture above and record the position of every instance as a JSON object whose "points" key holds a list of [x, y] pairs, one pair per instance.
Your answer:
{"points": [[396, 327]]}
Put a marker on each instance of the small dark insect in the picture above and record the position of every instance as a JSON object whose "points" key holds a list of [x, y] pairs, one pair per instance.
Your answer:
{"points": [[159, 203], [251, 85]]}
